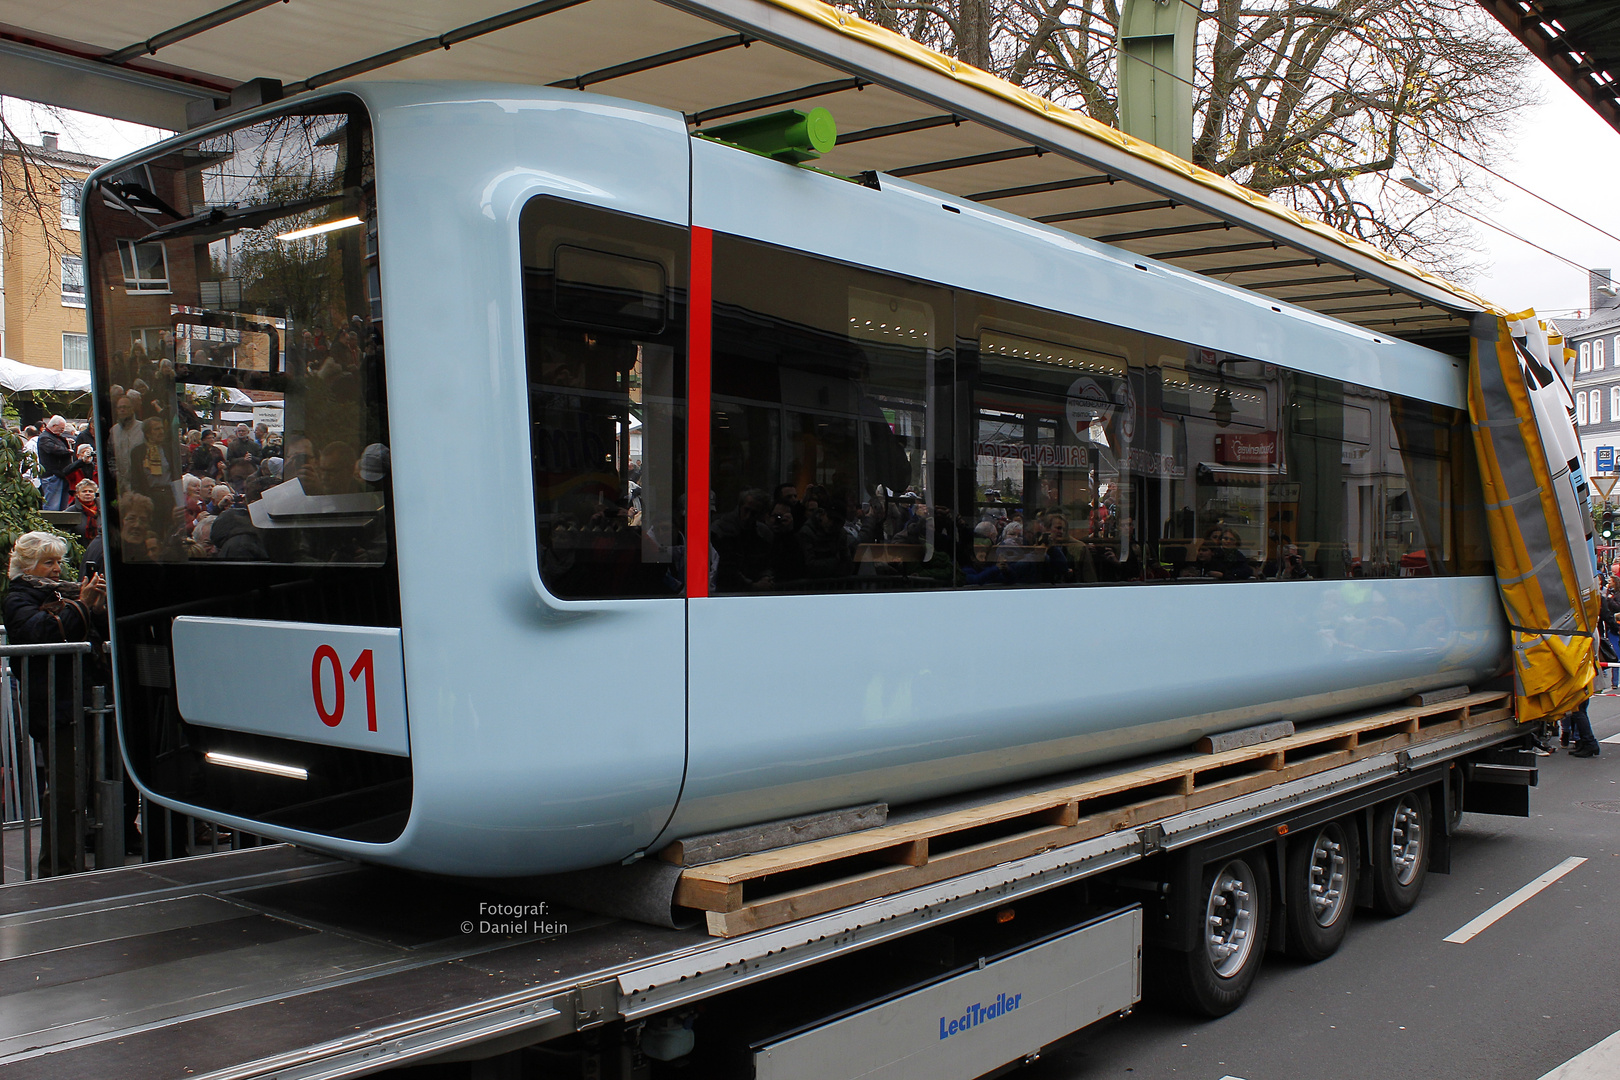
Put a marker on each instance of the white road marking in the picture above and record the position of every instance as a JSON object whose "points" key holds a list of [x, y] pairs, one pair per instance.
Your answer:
{"points": [[1470, 930], [1598, 1062], [1615, 739]]}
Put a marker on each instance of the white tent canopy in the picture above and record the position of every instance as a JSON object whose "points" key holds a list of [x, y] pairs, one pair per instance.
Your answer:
{"points": [[16, 377]]}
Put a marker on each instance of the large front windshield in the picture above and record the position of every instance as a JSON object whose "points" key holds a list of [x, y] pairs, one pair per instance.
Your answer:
{"points": [[238, 325]]}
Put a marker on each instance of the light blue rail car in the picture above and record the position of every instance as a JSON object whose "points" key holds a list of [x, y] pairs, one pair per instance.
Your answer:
{"points": [[568, 315]]}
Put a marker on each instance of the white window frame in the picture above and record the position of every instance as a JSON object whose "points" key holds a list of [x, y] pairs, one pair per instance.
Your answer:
{"points": [[1594, 410], [148, 336], [127, 263], [1614, 403], [1580, 409], [72, 298], [72, 188], [1586, 357], [1597, 355], [80, 352]]}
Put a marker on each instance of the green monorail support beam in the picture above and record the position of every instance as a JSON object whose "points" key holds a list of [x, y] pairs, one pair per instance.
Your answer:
{"points": [[1156, 39]]}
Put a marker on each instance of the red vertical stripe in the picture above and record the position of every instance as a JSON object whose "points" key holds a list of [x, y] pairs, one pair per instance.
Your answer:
{"points": [[700, 298]]}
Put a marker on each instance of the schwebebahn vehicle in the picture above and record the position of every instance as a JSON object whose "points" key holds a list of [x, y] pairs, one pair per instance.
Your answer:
{"points": [[633, 483], [984, 500]]}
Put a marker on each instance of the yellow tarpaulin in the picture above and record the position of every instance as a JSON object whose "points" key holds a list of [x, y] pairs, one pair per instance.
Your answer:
{"points": [[1535, 507]]}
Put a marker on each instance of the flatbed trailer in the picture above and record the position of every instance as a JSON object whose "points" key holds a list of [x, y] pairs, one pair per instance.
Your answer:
{"points": [[277, 961]]}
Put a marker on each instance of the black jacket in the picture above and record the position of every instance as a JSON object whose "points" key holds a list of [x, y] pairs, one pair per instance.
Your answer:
{"points": [[235, 538], [36, 614], [55, 456]]}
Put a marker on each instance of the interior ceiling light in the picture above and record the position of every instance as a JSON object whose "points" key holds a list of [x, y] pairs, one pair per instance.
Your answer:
{"points": [[232, 761], [328, 226], [1001, 343]]}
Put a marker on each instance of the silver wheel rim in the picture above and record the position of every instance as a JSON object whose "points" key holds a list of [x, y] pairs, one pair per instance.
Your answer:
{"points": [[1229, 919], [1405, 841], [1328, 871]]}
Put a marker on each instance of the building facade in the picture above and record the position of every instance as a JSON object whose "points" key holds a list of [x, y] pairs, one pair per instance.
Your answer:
{"points": [[1595, 376], [42, 312]]}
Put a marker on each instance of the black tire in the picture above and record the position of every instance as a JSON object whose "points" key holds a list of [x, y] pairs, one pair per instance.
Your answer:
{"points": [[1320, 889], [1400, 852], [1203, 981]]}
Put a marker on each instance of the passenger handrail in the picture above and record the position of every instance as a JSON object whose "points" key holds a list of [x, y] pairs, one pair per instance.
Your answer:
{"points": [[90, 807], [49, 647]]}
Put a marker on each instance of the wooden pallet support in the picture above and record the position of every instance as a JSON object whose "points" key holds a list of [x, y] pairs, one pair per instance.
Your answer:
{"points": [[752, 892]]}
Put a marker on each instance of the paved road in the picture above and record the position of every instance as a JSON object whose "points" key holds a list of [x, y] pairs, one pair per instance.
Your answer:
{"points": [[1538, 987]]}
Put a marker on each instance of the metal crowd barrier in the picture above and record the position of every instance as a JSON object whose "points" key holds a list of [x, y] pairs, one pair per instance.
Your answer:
{"points": [[89, 802]]}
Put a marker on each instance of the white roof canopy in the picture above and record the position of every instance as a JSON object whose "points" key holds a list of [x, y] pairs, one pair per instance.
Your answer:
{"points": [[17, 377], [900, 109]]}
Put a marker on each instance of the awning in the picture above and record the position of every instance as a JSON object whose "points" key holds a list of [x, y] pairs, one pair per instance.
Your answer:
{"points": [[16, 377], [901, 109]]}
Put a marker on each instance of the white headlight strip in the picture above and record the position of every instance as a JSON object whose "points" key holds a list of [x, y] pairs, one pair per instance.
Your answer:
{"points": [[232, 761]]}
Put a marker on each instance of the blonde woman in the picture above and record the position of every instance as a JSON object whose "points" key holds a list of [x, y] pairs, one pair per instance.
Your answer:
{"points": [[40, 608]]}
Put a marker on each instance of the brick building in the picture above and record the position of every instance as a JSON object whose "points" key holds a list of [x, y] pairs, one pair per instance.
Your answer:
{"points": [[42, 319]]}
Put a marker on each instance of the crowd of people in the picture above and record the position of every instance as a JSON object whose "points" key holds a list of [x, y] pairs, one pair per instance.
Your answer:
{"points": [[168, 508], [180, 495], [1575, 728], [783, 539], [184, 487]]}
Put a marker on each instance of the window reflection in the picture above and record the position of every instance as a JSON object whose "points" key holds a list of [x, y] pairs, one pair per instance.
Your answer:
{"points": [[1101, 455], [603, 301], [239, 330], [826, 426], [869, 432]]}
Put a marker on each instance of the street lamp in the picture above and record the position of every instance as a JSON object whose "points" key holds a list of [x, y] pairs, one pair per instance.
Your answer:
{"points": [[1416, 185]]}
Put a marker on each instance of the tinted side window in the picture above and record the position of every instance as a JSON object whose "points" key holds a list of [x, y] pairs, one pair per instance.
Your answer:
{"points": [[1045, 404], [826, 435], [1095, 454], [604, 300]]}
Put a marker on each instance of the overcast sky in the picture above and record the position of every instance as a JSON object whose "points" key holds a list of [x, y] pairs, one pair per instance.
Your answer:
{"points": [[1565, 154], [1569, 156]]}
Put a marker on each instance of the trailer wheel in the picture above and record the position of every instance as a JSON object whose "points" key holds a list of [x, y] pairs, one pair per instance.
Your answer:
{"points": [[1215, 976], [1320, 890], [1400, 852]]}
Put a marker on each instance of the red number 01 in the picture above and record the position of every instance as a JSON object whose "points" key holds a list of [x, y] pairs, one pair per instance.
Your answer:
{"points": [[362, 666]]}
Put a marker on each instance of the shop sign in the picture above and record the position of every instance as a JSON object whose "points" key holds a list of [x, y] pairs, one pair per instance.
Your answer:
{"points": [[1256, 448]]}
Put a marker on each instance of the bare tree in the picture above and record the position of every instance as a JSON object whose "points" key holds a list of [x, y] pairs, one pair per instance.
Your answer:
{"points": [[30, 201], [1313, 102]]}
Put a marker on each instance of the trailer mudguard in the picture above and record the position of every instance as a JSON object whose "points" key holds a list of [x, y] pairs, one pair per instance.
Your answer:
{"points": [[1537, 516]]}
